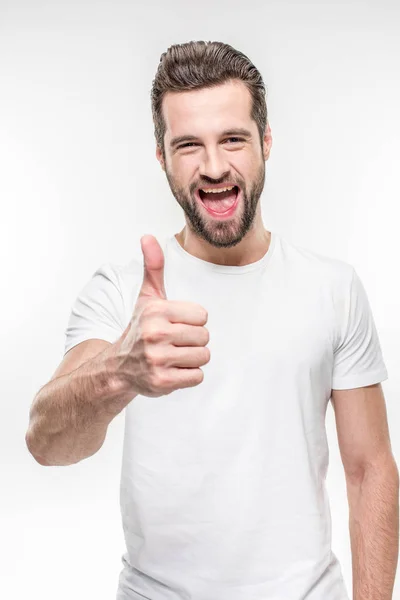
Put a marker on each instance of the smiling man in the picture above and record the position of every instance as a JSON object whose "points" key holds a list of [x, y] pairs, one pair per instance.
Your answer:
{"points": [[222, 151], [223, 493]]}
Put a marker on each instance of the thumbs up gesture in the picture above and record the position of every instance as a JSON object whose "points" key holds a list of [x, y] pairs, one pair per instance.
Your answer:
{"points": [[164, 344]]}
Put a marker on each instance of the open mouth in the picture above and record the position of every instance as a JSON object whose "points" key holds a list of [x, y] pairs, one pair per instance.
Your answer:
{"points": [[219, 202]]}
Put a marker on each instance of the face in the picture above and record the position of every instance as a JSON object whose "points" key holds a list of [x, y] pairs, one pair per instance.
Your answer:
{"points": [[212, 157]]}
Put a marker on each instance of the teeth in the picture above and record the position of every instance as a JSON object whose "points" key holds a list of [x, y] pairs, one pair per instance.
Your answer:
{"points": [[216, 191]]}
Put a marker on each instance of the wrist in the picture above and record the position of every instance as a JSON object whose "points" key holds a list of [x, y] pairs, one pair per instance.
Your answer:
{"points": [[112, 390]]}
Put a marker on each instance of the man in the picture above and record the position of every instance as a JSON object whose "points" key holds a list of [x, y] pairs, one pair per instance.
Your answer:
{"points": [[223, 491]]}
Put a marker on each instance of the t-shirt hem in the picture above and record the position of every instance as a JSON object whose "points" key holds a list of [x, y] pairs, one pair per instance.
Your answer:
{"points": [[99, 335], [361, 380]]}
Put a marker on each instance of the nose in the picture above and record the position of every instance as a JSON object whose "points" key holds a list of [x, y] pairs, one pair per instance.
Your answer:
{"points": [[213, 167]]}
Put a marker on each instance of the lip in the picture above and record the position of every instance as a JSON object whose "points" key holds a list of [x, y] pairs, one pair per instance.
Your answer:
{"points": [[221, 215]]}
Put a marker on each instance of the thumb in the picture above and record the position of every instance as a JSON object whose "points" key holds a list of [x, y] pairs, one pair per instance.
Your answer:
{"points": [[153, 276]]}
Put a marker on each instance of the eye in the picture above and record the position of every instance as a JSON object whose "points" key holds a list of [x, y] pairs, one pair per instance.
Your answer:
{"points": [[194, 144]]}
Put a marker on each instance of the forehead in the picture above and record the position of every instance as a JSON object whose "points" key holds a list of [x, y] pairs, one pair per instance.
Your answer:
{"points": [[196, 111]]}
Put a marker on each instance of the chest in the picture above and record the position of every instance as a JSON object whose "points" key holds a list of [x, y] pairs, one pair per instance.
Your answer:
{"points": [[267, 328]]}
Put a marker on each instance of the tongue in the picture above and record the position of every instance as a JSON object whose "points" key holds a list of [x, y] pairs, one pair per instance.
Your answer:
{"points": [[219, 202]]}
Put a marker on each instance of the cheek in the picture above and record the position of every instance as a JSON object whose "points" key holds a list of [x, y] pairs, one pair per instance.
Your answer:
{"points": [[246, 164]]}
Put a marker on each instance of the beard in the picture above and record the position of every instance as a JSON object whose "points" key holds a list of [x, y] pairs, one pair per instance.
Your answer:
{"points": [[224, 233]]}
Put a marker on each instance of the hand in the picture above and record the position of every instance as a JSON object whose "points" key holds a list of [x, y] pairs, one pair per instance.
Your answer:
{"points": [[164, 344]]}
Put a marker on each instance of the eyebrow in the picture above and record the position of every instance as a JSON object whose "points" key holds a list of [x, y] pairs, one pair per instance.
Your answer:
{"points": [[184, 138]]}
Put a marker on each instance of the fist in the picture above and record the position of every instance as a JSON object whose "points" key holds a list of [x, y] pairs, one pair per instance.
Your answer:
{"points": [[164, 345]]}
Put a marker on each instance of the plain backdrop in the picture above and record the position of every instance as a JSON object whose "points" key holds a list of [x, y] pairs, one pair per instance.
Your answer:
{"points": [[80, 184]]}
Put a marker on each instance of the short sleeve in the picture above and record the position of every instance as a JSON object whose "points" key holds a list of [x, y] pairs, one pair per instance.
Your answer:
{"points": [[98, 310], [358, 359]]}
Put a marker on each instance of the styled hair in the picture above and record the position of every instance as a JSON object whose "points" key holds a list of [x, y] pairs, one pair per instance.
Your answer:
{"points": [[198, 64]]}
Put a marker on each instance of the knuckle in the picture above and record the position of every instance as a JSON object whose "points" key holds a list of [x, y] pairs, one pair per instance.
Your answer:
{"points": [[147, 335], [163, 381], [149, 356], [151, 309], [153, 335], [154, 378], [153, 359]]}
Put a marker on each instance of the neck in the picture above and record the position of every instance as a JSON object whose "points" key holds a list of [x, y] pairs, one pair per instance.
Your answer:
{"points": [[250, 249]]}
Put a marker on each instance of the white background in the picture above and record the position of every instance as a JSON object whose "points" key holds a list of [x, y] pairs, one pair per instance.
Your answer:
{"points": [[80, 184]]}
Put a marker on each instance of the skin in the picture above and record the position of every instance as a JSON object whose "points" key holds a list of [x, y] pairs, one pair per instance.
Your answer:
{"points": [[214, 158]]}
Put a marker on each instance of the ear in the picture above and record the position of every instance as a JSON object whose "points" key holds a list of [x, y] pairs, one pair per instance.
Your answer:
{"points": [[160, 158], [267, 142]]}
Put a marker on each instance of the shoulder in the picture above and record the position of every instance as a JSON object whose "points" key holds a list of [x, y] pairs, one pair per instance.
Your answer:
{"points": [[316, 266]]}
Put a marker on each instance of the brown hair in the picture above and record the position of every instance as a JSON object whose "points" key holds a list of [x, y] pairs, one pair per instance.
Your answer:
{"points": [[199, 64]]}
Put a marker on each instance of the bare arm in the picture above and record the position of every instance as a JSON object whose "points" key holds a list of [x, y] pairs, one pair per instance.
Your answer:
{"points": [[161, 350], [70, 415], [372, 480], [374, 531]]}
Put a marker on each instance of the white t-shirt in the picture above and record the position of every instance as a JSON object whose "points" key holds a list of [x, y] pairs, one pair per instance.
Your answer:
{"points": [[223, 492]]}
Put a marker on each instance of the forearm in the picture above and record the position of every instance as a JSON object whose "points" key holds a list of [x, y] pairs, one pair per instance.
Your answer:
{"points": [[374, 531], [70, 415]]}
